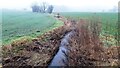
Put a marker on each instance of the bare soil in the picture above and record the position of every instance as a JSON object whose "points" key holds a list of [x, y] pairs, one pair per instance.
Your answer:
{"points": [[85, 49]]}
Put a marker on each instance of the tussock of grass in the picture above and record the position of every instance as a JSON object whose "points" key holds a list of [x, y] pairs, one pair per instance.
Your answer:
{"points": [[108, 40]]}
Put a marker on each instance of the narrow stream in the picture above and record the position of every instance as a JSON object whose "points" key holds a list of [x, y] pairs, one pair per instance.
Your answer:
{"points": [[60, 59]]}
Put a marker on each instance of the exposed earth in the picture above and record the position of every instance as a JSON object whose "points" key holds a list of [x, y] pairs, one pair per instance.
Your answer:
{"points": [[85, 49]]}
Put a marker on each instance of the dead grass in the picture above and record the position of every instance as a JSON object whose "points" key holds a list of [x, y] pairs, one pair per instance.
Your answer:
{"points": [[37, 52], [87, 49]]}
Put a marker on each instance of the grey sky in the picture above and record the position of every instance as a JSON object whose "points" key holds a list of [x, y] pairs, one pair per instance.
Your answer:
{"points": [[76, 5]]}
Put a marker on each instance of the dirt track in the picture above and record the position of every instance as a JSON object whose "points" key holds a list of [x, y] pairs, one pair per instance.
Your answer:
{"points": [[85, 48]]}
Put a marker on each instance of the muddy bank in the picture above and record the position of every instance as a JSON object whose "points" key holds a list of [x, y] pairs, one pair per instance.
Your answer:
{"points": [[85, 48], [37, 52], [61, 57]]}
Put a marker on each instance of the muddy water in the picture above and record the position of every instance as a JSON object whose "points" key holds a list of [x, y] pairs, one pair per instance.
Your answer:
{"points": [[60, 59]]}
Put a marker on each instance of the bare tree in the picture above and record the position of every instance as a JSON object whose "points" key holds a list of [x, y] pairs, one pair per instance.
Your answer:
{"points": [[42, 8], [35, 7], [50, 9]]}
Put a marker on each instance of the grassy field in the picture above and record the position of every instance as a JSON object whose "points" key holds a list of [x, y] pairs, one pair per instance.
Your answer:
{"points": [[16, 24], [109, 24], [108, 20], [0, 27]]}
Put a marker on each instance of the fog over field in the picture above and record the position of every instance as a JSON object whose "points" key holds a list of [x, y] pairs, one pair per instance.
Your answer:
{"points": [[65, 5], [50, 33]]}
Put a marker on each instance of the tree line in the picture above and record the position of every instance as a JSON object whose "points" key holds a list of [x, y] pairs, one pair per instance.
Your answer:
{"points": [[42, 8]]}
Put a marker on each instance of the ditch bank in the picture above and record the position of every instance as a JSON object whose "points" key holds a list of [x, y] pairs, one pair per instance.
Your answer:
{"points": [[84, 47], [38, 52], [60, 59], [73, 44]]}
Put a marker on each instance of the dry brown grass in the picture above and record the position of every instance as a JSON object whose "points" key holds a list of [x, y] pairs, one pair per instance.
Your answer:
{"points": [[86, 47], [38, 51]]}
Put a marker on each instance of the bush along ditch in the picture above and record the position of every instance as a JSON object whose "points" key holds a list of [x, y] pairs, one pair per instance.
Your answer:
{"points": [[84, 47]]}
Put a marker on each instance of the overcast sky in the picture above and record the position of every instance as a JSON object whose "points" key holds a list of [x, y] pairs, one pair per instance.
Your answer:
{"points": [[95, 5]]}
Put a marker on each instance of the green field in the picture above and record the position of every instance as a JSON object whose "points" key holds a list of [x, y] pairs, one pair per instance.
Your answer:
{"points": [[0, 27], [108, 20], [16, 24]]}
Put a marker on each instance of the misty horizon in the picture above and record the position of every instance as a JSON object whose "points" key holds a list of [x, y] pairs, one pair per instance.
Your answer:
{"points": [[65, 6]]}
